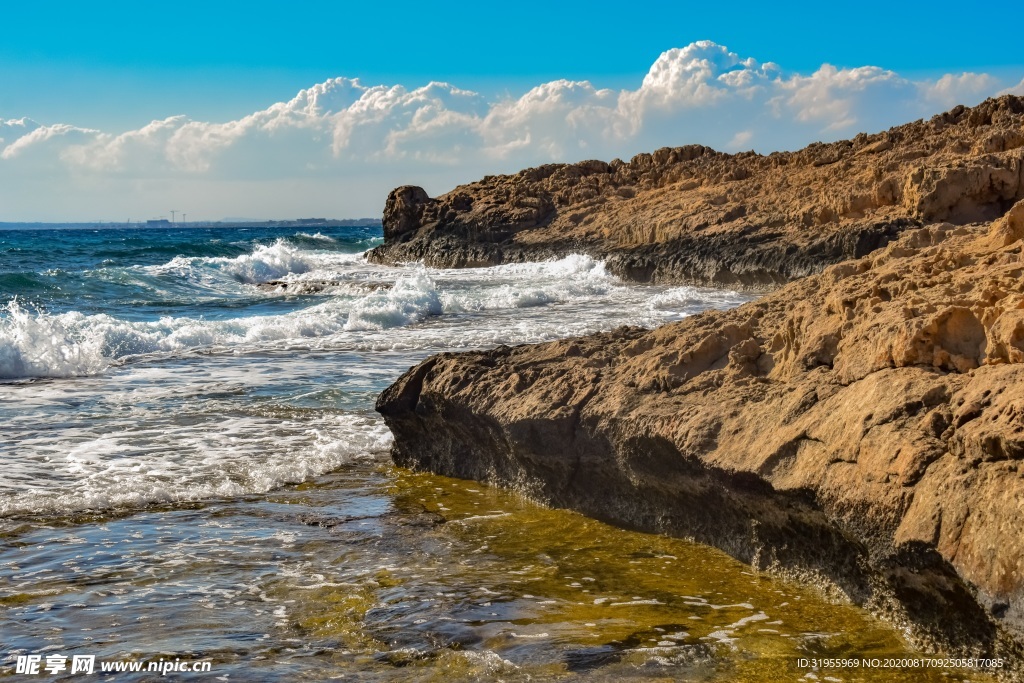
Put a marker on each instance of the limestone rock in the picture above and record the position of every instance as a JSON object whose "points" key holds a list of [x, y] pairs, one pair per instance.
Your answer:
{"points": [[695, 215], [403, 211], [863, 427]]}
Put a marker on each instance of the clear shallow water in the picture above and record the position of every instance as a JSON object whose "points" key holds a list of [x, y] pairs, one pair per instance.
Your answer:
{"points": [[193, 469]]}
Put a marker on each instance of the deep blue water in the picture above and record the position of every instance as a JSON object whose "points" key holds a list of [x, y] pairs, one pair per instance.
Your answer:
{"points": [[143, 274]]}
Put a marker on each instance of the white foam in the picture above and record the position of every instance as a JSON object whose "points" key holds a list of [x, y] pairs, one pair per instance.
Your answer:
{"points": [[686, 300], [281, 260], [43, 345], [411, 299], [268, 262], [490, 662], [317, 236], [172, 462], [760, 616], [264, 263], [526, 285], [567, 266], [477, 518]]}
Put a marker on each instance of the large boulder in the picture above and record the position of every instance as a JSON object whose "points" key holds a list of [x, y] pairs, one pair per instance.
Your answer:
{"points": [[403, 212]]}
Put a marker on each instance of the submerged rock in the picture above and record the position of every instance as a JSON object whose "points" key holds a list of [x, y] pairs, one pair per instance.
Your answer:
{"points": [[298, 287], [691, 214], [861, 428]]}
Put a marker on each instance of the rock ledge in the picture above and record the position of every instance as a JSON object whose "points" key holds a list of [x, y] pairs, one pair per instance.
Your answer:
{"points": [[862, 428]]}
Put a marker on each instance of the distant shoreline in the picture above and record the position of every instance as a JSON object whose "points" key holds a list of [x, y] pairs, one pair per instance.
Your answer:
{"points": [[296, 223]]}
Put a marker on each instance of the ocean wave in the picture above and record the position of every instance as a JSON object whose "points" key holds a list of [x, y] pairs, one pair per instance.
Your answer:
{"points": [[573, 265], [315, 238], [204, 272], [137, 249], [264, 263], [357, 313], [27, 282], [269, 262], [687, 300], [72, 344], [322, 242], [410, 300], [43, 345], [570, 278], [115, 471]]}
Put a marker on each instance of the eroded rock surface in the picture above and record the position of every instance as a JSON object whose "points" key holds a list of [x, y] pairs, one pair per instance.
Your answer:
{"points": [[692, 214], [862, 428]]}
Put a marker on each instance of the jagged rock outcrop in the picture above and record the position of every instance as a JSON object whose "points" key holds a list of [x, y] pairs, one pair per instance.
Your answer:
{"points": [[862, 428], [695, 215]]}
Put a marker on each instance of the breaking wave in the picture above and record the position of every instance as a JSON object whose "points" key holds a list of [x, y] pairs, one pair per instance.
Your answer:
{"points": [[113, 470], [359, 300]]}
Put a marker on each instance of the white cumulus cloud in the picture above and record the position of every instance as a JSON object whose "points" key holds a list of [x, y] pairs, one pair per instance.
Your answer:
{"points": [[1015, 90], [362, 140]]}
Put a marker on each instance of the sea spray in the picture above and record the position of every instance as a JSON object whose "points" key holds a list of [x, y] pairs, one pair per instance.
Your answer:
{"points": [[411, 299], [37, 344]]}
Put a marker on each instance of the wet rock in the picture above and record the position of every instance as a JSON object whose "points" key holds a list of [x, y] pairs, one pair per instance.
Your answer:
{"points": [[405, 656], [590, 658], [330, 521], [297, 287]]}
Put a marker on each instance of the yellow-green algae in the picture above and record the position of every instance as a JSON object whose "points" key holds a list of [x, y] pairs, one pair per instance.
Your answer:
{"points": [[374, 573], [552, 594]]}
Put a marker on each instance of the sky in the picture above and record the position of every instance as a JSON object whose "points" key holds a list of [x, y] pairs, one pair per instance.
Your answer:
{"points": [[115, 110]]}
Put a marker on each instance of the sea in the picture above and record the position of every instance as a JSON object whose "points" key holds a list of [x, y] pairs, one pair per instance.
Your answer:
{"points": [[194, 479]]}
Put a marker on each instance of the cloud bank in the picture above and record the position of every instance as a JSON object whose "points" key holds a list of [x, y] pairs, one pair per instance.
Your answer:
{"points": [[338, 147]]}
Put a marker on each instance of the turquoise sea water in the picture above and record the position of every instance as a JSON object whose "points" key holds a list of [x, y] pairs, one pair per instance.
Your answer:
{"points": [[193, 471]]}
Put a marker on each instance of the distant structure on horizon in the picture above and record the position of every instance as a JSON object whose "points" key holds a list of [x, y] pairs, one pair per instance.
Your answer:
{"points": [[158, 223]]}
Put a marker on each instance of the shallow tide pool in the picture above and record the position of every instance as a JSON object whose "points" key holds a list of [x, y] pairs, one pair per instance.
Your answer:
{"points": [[377, 573]]}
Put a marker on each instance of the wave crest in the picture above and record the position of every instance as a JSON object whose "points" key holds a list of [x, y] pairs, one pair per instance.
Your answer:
{"points": [[42, 345], [410, 300], [266, 262]]}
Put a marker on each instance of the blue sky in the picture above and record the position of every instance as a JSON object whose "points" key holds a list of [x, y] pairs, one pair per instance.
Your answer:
{"points": [[104, 70], [122, 61]]}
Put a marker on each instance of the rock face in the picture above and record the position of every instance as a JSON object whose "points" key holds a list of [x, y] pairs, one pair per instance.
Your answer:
{"points": [[862, 428], [694, 215]]}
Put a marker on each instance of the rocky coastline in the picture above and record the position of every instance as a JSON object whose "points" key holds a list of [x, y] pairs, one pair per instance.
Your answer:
{"points": [[694, 215], [860, 428]]}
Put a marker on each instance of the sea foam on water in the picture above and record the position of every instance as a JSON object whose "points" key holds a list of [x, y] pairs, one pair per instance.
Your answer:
{"points": [[243, 388], [42, 345], [35, 343]]}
